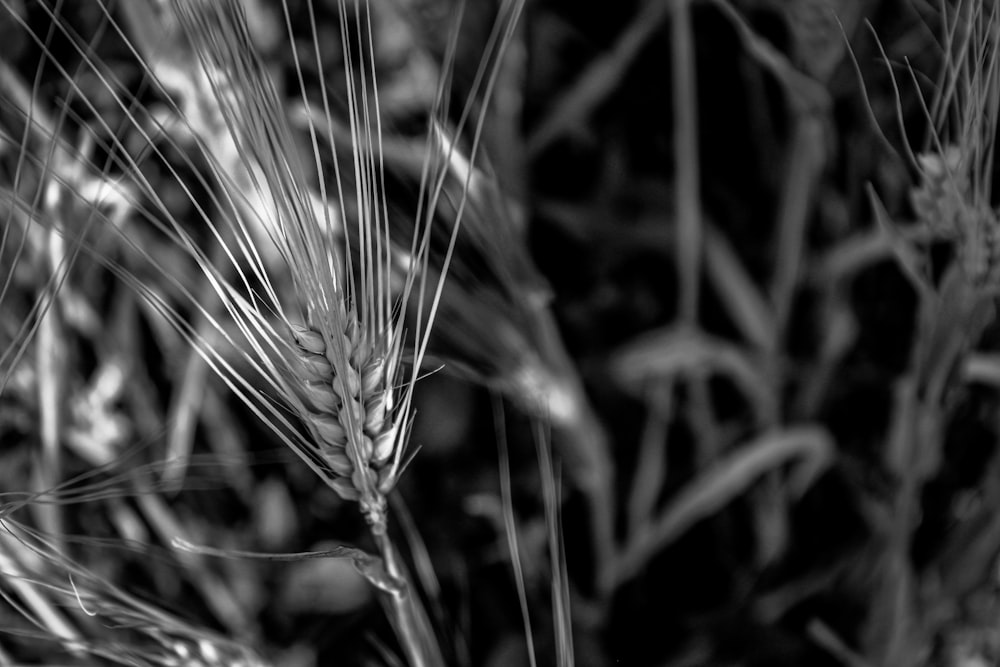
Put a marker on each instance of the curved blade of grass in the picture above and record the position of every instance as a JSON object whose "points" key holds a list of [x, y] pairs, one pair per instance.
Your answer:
{"points": [[723, 482]]}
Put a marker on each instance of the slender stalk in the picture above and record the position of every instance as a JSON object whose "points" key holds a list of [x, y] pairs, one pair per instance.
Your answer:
{"points": [[688, 212], [50, 360], [405, 610]]}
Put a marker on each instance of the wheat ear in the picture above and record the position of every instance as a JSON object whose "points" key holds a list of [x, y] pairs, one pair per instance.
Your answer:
{"points": [[351, 414], [342, 379]]}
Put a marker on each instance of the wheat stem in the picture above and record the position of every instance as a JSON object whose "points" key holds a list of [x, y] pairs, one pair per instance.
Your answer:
{"points": [[407, 614]]}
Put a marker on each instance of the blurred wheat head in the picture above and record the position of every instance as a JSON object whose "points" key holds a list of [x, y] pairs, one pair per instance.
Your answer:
{"points": [[953, 196], [953, 204]]}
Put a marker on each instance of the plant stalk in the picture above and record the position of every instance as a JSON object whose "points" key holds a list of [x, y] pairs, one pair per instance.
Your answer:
{"points": [[405, 611]]}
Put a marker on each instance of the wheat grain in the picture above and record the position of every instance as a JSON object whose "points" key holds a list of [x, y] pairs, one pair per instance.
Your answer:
{"points": [[946, 202], [352, 416], [939, 198]]}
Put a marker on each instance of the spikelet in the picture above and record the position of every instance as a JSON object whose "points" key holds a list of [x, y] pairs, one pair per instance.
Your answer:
{"points": [[946, 202], [941, 197], [979, 247]]}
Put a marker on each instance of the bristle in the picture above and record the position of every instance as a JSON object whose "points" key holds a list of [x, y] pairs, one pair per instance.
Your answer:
{"points": [[156, 637]]}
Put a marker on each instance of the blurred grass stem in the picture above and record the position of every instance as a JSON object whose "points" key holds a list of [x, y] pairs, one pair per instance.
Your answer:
{"points": [[687, 166]]}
